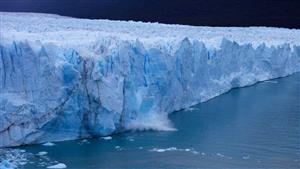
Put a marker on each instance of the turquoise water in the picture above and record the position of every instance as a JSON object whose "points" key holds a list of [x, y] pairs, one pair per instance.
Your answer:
{"points": [[252, 127]]}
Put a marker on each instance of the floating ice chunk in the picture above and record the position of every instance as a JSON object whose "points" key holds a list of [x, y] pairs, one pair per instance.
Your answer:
{"points": [[42, 153], [13, 158], [190, 109], [271, 81], [84, 141], [22, 162], [220, 155], [57, 166], [48, 144], [42, 164], [119, 148], [7, 165], [246, 157], [107, 138], [130, 139]]}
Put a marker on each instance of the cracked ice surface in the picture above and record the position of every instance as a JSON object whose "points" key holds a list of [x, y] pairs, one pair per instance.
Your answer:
{"points": [[63, 78]]}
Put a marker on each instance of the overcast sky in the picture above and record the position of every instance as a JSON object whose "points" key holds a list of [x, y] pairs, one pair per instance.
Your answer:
{"points": [[279, 13]]}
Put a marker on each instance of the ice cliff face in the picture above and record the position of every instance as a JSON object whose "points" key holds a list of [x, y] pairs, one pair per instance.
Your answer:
{"points": [[64, 78]]}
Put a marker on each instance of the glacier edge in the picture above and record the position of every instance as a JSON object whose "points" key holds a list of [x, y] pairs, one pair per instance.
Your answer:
{"points": [[52, 92], [56, 94]]}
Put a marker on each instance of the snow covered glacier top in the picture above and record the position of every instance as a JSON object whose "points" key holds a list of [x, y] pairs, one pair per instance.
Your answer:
{"points": [[82, 32], [63, 78]]}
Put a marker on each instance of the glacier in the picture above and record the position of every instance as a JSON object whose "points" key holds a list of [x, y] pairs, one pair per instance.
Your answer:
{"points": [[63, 78]]}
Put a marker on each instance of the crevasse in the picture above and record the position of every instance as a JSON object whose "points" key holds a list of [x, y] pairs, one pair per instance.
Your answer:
{"points": [[53, 92]]}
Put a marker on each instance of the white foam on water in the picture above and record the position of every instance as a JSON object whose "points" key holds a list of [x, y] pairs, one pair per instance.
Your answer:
{"points": [[160, 150]]}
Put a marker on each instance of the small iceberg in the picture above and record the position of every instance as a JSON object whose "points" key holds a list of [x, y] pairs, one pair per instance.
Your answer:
{"points": [[119, 148], [190, 109], [42, 153], [246, 157], [59, 165], [48, 144], [220, 155], [130, 139], [84, 141], [107, 138]]}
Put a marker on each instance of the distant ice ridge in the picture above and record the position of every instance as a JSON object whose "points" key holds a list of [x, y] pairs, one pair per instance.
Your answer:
{"points": [[64, 78]]}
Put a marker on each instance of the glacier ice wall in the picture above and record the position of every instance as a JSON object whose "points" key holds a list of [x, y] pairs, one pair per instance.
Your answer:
{"points": [[53, 92]]}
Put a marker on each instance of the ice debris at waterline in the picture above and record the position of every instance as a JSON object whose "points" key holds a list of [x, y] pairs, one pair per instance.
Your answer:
{"points": [[7, 165], [48, 144], [13, 158], [63, 78]]}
